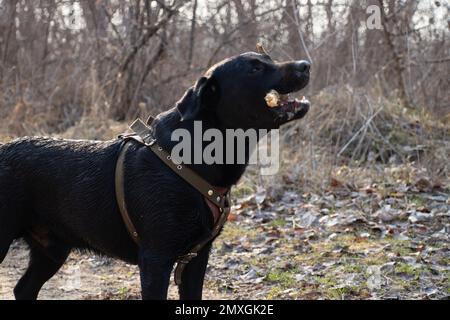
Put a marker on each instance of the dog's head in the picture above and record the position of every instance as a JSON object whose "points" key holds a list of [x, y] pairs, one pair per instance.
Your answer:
{"points": [[248, 91]]}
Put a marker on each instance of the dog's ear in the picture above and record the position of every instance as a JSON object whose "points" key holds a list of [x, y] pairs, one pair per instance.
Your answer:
{"points": [[205, 94]]}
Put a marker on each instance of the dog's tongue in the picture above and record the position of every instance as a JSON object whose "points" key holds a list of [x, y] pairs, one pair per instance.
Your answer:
{"points": [[293, 109], [286, 108], [290, 105]]}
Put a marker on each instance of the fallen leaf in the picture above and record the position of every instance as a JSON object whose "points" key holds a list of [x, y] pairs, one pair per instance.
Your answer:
{"points": [[423, 184], [335, 183]]}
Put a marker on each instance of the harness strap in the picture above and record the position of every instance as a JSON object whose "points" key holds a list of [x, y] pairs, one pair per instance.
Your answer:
{"points": [[218, 197], [120, 193]]}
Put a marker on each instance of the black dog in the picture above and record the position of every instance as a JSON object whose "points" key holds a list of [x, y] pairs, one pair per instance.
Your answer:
{"points": [[60, 194]]}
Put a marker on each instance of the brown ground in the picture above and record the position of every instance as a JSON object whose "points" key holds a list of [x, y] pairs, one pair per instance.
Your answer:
{"points": [[374, 242], [83, 276]]}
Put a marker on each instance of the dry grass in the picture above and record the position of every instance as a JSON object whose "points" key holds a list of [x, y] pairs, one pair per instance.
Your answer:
{"points": [[348, 135], [347, 127]]}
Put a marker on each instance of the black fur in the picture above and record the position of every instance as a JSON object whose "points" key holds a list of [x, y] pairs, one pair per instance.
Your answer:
{"points": [[59, 194]]}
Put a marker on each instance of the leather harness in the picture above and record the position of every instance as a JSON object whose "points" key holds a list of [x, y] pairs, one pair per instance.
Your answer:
{"points": [[217, 198]]}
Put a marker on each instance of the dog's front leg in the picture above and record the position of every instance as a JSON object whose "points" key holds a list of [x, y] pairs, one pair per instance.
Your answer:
{"points": [[193, 275], [155, 274]]}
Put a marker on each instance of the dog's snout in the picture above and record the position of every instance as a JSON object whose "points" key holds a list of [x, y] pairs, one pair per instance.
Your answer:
{"points": [[295, 75], [303, 66]]}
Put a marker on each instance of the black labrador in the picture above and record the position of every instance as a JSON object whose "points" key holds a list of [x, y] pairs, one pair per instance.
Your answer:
{"points": [[60, 194]]}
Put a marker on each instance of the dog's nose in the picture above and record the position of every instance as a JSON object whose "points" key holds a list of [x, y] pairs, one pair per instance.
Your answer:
{"points": [[303, 66]]}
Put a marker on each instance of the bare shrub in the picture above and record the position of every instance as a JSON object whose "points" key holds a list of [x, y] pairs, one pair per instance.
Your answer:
{"points": [[78, 67]]}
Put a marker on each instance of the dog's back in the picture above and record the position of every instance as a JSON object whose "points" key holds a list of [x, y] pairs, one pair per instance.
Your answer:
{"points": [[57, 182]]}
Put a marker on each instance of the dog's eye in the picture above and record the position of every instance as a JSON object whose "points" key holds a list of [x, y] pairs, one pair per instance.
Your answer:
{"points": [[256, 66]]}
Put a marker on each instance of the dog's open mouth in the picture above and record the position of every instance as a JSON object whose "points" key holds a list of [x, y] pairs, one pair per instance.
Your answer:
{"points": [[285, 107]]}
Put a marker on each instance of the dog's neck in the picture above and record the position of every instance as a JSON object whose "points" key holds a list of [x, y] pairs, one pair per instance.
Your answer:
{"points": [[220, 175]]}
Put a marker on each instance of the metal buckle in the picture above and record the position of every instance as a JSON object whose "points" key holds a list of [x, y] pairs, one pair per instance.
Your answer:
{"points": [[152, 139], [125, 135]]}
